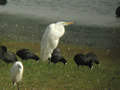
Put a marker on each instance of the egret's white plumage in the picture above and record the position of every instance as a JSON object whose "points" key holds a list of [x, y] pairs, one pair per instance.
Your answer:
{"points": [[51, 38], [17, 72]]}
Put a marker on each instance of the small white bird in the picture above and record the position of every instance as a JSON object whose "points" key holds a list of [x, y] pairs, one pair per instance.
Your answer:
{"points": [[17, 73], [51, 38]]}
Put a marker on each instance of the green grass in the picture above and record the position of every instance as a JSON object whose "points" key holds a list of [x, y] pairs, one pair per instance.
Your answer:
{"points": [[44, 76]]}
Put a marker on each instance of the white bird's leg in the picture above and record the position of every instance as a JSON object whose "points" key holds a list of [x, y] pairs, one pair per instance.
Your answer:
{"points": [[49, 60], [91, 67], [13, 82], [37, 61], [18, 86]]}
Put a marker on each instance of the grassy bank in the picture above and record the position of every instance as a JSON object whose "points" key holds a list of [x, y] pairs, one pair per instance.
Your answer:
{"points": [[23, 28], [44, 76]]}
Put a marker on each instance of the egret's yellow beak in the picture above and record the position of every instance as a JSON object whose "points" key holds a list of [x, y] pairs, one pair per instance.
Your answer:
{"points": [[68, 23]]}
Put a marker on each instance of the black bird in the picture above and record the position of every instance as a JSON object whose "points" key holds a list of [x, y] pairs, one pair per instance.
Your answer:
{"points": [[117, 12], [81, 59], [26, 54], [56, 52], [2, 50], [91, 56], [57, 57], [7, 56], [3, 2]]}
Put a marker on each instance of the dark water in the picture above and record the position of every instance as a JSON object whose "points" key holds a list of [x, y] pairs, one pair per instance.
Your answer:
{"points": [[96, 12], [95, 21]]}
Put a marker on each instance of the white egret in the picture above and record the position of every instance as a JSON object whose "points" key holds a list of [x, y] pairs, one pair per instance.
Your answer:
{"points": [[51, 38], [17, 73]]}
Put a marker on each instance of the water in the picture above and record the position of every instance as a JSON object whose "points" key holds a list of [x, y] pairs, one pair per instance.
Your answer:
{"points": [[95, 21], [100, 12]]}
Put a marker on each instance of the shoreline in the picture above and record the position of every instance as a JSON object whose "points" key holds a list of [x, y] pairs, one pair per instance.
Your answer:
{"points": [[23, 28]]}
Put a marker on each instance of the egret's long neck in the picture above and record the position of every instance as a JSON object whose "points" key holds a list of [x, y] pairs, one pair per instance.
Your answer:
{"points": [[60, 29]]}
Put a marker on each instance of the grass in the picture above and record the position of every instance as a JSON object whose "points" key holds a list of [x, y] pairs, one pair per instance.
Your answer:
{"points": [[44, 76]]}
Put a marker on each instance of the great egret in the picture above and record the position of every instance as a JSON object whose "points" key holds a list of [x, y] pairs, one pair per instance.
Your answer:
{"points": [[25, 54], [7, 56], [51, 38], [17, 73]]}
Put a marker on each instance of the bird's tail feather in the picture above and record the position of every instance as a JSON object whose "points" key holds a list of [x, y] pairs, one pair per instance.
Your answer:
{"points": [[45, 54]]}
